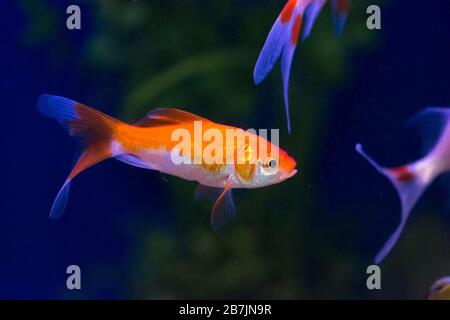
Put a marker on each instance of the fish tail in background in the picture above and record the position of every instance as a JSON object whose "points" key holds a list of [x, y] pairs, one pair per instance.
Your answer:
{"points": [[275, 43], [410, 181], [93, 128], [282, 41], [311, 13], [286, 59], [340, 13]]}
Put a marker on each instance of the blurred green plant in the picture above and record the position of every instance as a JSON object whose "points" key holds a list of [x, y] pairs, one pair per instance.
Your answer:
{"points": [[201, 54]]}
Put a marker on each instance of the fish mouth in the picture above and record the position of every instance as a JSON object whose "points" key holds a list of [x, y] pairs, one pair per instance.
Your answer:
{"points": [[290, 174]]}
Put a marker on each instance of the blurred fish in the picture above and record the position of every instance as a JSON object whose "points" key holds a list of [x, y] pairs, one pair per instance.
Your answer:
{"points": [[149, 144], [283, 38], [411, 180], [440, 290], [340, 10]]}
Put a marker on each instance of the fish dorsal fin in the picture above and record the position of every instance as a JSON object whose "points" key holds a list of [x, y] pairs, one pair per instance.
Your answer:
{"points": [[167, 116], [148, 122]]}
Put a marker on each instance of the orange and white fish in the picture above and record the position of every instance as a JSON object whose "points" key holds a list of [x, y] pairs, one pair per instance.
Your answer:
{"points": [[149, 144], [283, 38], [411, 180]]}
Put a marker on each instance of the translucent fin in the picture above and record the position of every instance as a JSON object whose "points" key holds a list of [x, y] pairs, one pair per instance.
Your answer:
{"points": [[203, 192], [410, 181], [134, 161], [149, 122], [274, 44], [91, 156], [311, 14], [172, 116], [286, 63], [431, 121], [223, 209], [60, 203], [167, 116]]}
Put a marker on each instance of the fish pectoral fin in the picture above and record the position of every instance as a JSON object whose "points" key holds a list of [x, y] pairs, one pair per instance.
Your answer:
{"points": [[223, 209]]}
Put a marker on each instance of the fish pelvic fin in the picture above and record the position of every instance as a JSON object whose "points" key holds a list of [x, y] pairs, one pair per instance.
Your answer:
{"points": [[94, 129], [223, 209], [410, 181]]}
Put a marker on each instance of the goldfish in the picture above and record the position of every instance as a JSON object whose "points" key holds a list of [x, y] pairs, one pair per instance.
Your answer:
{"points": [[283, 38], [440, 290], [412, 179], [155, 143]]}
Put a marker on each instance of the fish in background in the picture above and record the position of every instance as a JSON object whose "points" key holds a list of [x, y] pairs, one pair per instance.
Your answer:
{"points": [[283, 38], [440, 290], [148, 144], [412, 179]]}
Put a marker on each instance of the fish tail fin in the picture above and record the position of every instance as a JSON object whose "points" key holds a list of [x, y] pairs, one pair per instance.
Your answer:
{"points": [[410, 181], [312, 12], [287, 56], [340, 13], [93, 128], [275, 42]]}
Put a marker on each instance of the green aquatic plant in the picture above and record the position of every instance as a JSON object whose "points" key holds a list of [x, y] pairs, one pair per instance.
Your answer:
{"points": [[200, 56]]}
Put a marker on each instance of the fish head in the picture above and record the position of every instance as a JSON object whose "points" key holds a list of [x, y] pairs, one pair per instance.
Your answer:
{"points": [[275, 168], [440, 289]]}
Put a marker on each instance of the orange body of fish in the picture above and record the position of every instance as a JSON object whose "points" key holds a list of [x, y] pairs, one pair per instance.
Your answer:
{"points": [[152, 143]]}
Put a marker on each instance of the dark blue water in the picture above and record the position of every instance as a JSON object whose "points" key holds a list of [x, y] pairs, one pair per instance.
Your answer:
{"points": [[409, 70]]}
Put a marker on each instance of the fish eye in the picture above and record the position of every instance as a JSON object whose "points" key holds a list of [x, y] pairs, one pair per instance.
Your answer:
{"points": [[270, 165], [273, 163]]}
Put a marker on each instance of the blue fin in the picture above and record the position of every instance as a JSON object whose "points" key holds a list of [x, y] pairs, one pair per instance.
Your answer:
{"points": [[60, 203], [311, 14], [271, 51], [286, 64], [58, 108], [431, 122], [340, 13], [95, 130]]}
